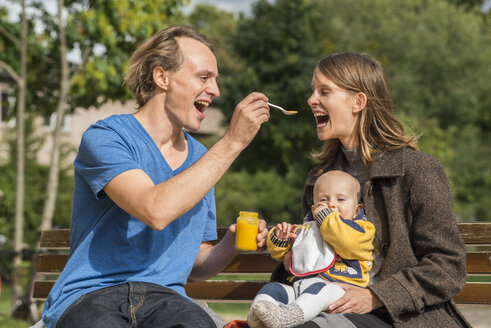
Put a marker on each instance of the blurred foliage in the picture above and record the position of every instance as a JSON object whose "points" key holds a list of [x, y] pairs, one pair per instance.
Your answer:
{"points": [[101, 36], [468, 4], [107, 33], [220, 26], [262, 191], [35, 184]]}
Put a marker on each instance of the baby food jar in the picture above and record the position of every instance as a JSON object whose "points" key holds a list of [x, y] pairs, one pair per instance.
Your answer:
{"points": [[247, 229]]}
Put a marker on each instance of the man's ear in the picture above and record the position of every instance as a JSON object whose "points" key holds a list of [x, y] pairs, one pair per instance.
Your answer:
{"points": [[160, 78], [360, 101]]}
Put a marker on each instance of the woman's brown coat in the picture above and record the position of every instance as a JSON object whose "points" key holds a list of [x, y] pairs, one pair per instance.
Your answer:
{"points": [[409, 200]]}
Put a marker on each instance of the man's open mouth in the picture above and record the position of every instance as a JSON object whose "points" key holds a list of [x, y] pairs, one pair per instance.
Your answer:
{"points": [[321, 119], [201, 105]]}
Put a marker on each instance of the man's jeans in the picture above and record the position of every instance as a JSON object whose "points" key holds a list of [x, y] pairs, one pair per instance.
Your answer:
{"points": [[134, 304]]}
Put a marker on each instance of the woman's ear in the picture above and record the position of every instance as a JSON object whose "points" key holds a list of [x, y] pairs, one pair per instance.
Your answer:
{"points": [[360, 101], [160, 78]]}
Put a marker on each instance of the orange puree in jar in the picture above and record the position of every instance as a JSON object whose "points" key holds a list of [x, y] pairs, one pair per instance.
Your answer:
{"points": [[247, 229]]}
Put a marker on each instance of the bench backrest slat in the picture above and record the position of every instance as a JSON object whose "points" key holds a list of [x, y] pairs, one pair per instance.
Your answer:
{"points": [[241, 264], [55, 239], [474, 233], [478, 263]]}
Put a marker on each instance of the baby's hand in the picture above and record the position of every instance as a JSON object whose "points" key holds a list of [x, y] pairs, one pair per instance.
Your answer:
{"points": [[320, 207], [285, 230]]}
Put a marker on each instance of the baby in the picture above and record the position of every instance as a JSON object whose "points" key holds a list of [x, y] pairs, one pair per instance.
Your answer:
{"points": [[334, 244]]}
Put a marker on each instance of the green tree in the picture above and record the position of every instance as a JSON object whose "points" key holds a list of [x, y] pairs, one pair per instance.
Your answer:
{"points": [[278, 45], [220, 26], [261, 191], [468, 4]]}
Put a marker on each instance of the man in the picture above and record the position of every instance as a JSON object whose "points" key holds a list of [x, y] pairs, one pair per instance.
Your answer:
{"points": [[143, 209]]}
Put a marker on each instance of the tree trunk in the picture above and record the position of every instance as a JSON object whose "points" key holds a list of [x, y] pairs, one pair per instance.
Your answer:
{"points": [[19, 200], [53, 177], [18, 307]]}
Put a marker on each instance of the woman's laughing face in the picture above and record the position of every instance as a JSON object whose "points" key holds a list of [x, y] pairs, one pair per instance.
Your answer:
{"points": [[333, 110]]}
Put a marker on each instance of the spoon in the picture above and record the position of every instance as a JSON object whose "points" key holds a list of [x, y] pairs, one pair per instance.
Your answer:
{"points": [[286, 112]]}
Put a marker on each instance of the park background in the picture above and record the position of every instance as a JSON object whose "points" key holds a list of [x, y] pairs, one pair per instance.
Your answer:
{"points": [[436, 54]]}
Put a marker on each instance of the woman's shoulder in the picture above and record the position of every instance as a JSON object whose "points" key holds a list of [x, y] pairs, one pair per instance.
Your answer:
{"points": [[403, 162], [418, 167], [415, 159]]}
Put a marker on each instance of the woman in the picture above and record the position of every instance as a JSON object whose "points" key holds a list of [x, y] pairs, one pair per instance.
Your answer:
{"points": [[419, 254]]}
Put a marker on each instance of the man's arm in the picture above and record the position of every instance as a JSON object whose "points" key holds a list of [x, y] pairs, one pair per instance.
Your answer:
{"points": [[159, 205], [213, 259]]}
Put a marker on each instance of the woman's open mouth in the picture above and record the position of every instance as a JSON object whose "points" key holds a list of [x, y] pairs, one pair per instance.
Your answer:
{"points": [[321, 119]]}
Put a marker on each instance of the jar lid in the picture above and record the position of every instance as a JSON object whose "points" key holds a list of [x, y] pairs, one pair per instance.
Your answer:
{"points": [[252, 214]]}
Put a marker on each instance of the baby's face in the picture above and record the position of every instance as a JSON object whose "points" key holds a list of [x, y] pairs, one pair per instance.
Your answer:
{"points": [[339, 192]]}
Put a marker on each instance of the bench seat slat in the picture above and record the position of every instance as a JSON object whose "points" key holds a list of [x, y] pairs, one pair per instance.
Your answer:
{"points": [[475, 293], [51, 263], [42, 288], [478, 262], [224, 290]]}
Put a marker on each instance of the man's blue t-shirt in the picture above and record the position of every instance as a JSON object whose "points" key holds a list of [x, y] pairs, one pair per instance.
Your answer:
{"points": [[109, 246]]}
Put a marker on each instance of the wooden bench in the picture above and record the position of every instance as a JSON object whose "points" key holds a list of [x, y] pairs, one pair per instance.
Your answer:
{"points": [[477, 236]]}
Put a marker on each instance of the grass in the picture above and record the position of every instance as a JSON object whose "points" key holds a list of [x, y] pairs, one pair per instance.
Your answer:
{"points": [[234, 311], [479, 278], [241, 277], [6, 322], [5, 305], [230, 310]]}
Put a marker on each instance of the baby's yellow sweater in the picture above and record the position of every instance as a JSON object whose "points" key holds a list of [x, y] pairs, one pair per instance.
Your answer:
{"points": [[352, 240]]}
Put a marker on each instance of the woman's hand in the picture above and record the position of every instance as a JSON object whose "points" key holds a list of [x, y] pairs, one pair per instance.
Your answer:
{"points": [[355, 300]]}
